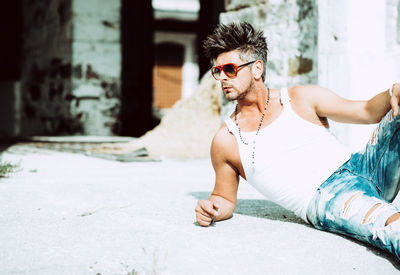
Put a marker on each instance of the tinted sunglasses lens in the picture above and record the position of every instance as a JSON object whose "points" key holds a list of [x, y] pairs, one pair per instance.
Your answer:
{"points": [[216, 72], [229, 70]]}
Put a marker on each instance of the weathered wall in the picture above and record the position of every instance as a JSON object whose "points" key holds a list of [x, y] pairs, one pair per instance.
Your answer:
{"points": [[10, 109], [46, 68], [358, 53], [71, 67], [291, 30], [96, 61]]}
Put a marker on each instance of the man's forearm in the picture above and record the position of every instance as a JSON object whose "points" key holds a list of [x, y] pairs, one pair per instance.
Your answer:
{"points": [[378, 106], [226, 207]]}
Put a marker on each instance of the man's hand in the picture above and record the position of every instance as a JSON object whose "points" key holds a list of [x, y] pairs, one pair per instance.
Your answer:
{"points": [[395, 99], [206, 212]]}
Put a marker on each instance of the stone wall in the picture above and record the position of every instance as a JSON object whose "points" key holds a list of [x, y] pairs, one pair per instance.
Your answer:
{"points": [[292, 33], [96, 57], [70, 77], [46, 68]]}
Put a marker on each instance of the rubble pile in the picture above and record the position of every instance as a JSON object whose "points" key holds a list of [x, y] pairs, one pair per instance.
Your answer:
{"points": [[186, 131]]}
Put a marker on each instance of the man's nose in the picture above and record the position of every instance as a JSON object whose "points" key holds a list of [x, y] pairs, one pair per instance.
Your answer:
{"points": [[223, 76]]}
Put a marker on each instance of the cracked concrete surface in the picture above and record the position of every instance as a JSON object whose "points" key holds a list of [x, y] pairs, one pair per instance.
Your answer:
{"points": [[65, 213]]}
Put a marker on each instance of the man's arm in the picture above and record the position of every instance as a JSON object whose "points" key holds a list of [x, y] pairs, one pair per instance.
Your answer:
{"points": [[222, 202], [330, 105]]}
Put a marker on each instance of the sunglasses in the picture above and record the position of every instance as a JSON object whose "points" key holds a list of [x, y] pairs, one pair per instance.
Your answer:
{"points": [[230, 69]]}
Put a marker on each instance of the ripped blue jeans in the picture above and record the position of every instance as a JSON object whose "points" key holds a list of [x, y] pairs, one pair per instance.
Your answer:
{"points": [[356, 199]]}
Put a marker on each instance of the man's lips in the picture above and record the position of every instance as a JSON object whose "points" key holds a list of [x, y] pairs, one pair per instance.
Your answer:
{"points": [[226, 88]]}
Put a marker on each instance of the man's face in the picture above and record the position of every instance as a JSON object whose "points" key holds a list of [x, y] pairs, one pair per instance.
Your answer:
{"points": [[236, 87]]}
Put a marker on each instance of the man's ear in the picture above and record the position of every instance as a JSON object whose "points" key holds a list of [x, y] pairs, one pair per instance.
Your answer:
{"points": [[257, 69]]}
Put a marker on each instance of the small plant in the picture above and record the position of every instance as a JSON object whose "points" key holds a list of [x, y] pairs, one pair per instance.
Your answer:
{"points": [[6, 168], [133, 272]]}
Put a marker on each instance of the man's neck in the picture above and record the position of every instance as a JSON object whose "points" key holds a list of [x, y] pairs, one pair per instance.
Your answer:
{"points": [[254, 100]]}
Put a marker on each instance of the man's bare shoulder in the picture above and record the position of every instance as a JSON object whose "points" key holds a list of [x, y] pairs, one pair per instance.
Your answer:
{"points": [[308, 96], [224, 147], [225, 152], [305, 91], [223, 139]]}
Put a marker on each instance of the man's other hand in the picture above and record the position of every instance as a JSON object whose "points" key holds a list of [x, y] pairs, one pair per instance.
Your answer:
{"points": [[395, 99], [206, 212]]}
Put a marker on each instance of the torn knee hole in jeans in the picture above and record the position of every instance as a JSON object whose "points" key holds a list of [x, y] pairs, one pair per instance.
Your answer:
{"points": [[352, 205], [385, 233], [392, 218], [373, 213]]}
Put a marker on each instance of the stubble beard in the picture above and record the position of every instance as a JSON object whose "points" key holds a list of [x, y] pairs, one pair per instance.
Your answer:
{"points": [[236, 94], [232, 96]]}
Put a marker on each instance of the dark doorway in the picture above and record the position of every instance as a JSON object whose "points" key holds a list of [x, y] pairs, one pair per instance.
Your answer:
{"points": [[10, 46], [208, 19], [10, 67], [137, 67], [138, 57]]}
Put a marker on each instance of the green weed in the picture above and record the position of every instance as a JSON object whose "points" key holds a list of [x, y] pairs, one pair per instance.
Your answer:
{"points": [[6, 168]]}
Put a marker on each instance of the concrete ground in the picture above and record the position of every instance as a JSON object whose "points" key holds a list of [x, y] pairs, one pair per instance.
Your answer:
{"points": [[67, 213]]}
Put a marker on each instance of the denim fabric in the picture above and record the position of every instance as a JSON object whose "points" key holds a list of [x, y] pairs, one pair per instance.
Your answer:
{"points": [[355, 200]]}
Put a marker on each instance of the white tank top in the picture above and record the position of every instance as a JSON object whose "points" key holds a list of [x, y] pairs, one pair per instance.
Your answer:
{"points": [[293, 157]]}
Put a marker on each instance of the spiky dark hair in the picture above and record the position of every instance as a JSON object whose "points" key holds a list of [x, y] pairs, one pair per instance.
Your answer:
{"points": [[250, 43]]}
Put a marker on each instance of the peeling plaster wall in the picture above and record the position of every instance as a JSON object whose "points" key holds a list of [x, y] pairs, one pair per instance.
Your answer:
{"points": [[96, 58], [291, 28], [46, 68], [70, 80]]}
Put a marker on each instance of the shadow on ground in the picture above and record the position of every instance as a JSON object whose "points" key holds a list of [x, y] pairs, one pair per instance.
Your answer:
{"points": [[378, 252], [257, 208], [268, 210]]}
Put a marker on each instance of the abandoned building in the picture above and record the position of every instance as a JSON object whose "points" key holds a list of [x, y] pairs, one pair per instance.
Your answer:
{"points": [[102, 67], [113, 67]]}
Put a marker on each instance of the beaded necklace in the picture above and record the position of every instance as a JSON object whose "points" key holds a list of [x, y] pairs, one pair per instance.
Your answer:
{"points": [[258, 128]]}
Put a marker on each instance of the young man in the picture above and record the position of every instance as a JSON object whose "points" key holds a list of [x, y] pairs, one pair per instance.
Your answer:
{"points": [[278, 140]]}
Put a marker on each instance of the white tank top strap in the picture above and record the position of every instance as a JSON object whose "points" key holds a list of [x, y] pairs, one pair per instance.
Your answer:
{"points": [[285, 99], [231, 125]]}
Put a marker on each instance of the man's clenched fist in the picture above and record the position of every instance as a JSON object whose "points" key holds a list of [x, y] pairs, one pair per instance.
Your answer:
{"points": [[206, 212]]}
